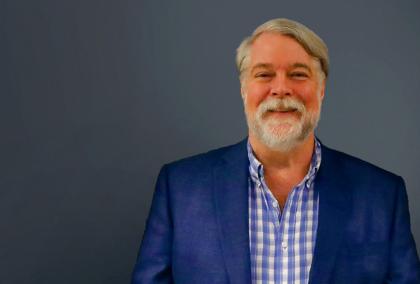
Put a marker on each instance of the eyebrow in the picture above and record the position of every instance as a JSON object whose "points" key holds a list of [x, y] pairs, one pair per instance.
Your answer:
{"points": [[262, 65], [301, 65]]}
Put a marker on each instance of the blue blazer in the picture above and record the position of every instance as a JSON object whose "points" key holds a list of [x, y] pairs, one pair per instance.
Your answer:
{"points": [[197, 229]]}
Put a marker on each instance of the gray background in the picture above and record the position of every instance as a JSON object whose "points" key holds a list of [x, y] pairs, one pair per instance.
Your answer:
{"points": [[97, 95]]}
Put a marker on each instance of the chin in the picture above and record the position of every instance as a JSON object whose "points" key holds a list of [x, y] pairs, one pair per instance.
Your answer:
{"points": [[282, 136], [282, 143]]}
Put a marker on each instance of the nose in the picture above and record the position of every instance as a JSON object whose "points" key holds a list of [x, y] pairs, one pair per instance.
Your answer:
{"points": [[280, 86]]}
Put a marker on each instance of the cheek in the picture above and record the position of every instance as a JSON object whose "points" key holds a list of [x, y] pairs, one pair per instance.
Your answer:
{"points": [[251, 103], [255, 94], [309, 96]]}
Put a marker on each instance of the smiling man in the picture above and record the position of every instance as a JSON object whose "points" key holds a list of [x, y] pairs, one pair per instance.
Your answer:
{"points": [[278, 207]]}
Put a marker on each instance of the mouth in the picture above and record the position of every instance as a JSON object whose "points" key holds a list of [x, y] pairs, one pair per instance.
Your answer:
{"points": [[282, 113], [288, 110]]}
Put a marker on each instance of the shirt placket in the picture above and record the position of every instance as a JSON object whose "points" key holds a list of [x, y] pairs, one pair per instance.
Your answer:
{"points": [[284, 237], [279, 221]]}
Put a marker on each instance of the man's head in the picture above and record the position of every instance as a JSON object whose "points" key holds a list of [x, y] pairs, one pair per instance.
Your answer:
{"points": [[283, 67]]}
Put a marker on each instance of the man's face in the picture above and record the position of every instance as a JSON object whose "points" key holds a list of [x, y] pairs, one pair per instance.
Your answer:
{"points": [[282, 89]]}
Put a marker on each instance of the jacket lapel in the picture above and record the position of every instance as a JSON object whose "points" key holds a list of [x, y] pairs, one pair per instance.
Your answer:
{"points": [[332, 185], [230, 188]]}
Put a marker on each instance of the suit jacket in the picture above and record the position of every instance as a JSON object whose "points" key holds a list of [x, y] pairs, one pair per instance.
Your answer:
{"points": [[197, 229]]}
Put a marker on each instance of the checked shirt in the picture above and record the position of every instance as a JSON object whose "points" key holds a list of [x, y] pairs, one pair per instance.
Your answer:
{"points": [[282, 241]]}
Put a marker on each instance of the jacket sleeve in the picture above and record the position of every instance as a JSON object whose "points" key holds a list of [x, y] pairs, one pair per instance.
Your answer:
{"points": [[404, 266], [154, 260]]}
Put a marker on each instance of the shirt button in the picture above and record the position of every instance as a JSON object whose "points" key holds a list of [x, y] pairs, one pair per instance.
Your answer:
{"points": [[284, 245], [274, 204]]}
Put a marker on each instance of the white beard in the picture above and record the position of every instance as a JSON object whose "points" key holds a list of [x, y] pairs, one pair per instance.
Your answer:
{"points": [[282, 135]]}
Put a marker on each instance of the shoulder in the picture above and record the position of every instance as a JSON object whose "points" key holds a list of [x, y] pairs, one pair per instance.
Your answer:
{"points": [[192, 177], [203, 163], [358, 171]]}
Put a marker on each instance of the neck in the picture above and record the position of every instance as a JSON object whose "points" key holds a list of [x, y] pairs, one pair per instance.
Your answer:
{"points": [[297, 158]]}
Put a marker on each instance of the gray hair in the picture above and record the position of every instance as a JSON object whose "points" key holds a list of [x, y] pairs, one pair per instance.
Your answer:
{"points": [[310, 41]]}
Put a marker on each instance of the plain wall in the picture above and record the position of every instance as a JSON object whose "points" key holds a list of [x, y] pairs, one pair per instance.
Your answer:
{"points": [[97, 95]]}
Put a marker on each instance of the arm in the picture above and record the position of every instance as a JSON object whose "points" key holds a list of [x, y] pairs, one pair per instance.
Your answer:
{"points": [[404, 264], [154, 261]]}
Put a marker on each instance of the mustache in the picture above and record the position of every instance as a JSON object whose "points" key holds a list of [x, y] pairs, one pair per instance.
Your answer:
{"points": [[282, 104]]}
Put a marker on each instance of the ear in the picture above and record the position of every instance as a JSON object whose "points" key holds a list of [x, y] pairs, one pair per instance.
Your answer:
{"points": [[323, 84], [243, 93]]}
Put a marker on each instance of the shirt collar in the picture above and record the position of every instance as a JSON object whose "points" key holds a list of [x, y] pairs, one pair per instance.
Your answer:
{"points": [[256, 169]]}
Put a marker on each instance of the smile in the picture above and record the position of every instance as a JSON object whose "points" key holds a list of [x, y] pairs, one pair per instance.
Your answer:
{"points": [[283, 110]]}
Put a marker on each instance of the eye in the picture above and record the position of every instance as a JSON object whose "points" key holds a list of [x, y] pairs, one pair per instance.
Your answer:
{"points": [[299, 75], [263, 75]]}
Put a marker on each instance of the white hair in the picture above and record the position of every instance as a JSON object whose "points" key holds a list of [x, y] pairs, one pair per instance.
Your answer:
{"points": [[310, 41]]}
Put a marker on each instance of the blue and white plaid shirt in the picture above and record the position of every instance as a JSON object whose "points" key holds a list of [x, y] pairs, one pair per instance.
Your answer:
{"points": [[282, 243]]}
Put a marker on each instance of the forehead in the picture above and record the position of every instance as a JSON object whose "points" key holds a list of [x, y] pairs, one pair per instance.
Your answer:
{"points": [[278, 50]]}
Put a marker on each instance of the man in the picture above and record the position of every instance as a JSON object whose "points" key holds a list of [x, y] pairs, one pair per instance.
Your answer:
{"points": [[278, 207]]}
